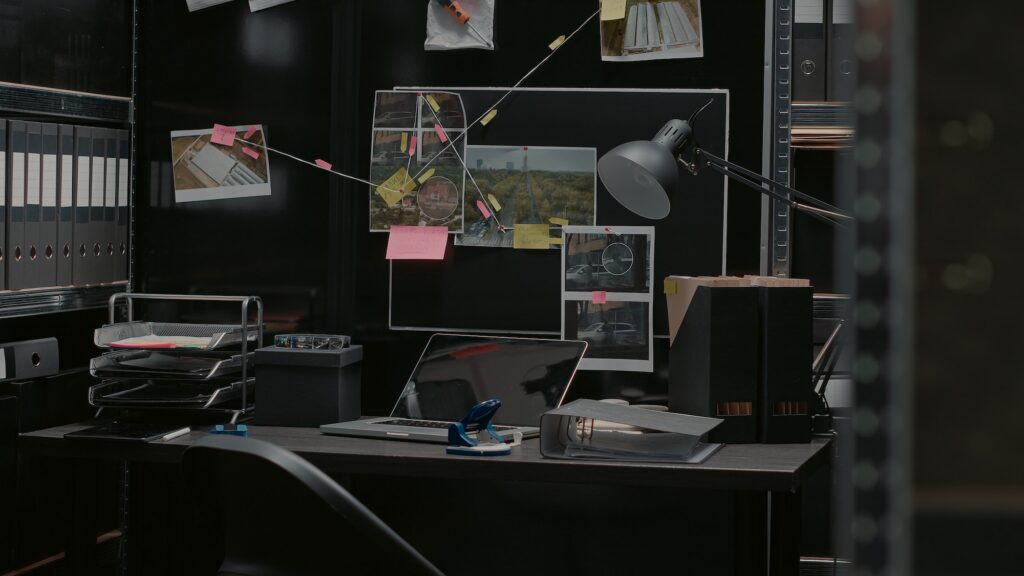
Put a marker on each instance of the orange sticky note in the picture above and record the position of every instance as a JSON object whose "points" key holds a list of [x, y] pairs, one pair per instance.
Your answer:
{"points": [[412, 145], [223, 135], [250, 152], [323, 164], [417, 242], [483, 209], [252, 130], [599, 296], [440, 133]]}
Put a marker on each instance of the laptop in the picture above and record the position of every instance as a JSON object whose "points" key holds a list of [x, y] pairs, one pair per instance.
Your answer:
{"points": [[455, 372]]}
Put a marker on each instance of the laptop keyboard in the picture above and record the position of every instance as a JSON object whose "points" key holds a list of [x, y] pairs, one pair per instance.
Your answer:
{"points": [[431, 424]]}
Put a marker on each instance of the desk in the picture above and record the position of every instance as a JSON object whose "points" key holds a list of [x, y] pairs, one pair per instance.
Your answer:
{"points": [[761, 472]]}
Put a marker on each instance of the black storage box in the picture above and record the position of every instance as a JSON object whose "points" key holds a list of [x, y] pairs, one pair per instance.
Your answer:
{"points": [[302, 387]]}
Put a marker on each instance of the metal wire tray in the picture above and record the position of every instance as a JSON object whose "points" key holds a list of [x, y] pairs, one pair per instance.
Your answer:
{"points": [[220, 335], [167, 364], [150, 393]]}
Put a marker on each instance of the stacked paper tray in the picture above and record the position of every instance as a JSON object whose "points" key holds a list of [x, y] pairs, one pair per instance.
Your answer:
{"points": [[167, 364], [150, 393], [165, 335]]}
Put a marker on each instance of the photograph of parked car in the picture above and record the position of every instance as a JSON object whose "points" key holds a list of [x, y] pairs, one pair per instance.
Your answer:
{"points": [[613, 330], [418, 179], [610, 262]]}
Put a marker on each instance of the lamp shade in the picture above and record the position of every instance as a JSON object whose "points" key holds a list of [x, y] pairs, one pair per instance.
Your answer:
{"points": [[639, 175]]}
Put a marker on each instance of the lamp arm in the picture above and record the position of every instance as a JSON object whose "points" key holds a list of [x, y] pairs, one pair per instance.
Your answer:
{"points": [[811, 205]]}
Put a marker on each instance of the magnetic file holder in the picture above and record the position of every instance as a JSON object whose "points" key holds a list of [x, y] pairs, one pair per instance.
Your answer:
{"points": [[786, 355], [713, 361]]}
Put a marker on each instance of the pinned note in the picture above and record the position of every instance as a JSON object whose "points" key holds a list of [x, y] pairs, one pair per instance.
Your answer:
{"points": [[670, 286], [417, 242], [599, 297], [433, 103], [559, 221], [532, 237], [412, 145], [440, 133], [557, 42], [613, 10], [397, 186], [405, 141], [489, 116], [223, 135], [323, 164], [426, 176], [483, 209], [556, 241], [494, 202], [250, 152], [252, 130]]}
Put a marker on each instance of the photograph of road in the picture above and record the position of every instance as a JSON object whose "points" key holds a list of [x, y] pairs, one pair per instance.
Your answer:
{"points": [[610, 262], [653, 30], [206, 171], [418, 179], [613, 330], [526, 185]]}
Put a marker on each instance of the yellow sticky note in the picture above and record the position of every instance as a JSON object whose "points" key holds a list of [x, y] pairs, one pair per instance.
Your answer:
{"points": [[670, 286], [559, 221], [394, 188], [613, 10], [489, 116], [556, 241], [426, 176], [531, 237], [405, 141], [494, 202], [433, 103], [557, 42]]}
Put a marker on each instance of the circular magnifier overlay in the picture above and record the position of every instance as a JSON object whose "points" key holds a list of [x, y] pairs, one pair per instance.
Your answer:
{"points": [[438, 198], [617, 258]]}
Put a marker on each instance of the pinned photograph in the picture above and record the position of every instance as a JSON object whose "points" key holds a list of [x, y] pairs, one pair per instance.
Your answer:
{"points": [[618, 333], [417, 171], [526, 194], [609, 262], [636, 30], [205, 170]]}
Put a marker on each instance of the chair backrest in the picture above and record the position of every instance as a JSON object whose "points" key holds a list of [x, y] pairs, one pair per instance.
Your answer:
{"points": [[278, 514]]}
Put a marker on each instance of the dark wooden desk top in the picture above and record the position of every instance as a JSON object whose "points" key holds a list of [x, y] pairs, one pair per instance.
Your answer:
{"points": [[759, 467]]}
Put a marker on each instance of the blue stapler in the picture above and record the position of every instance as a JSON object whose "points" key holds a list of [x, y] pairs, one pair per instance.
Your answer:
{"points": [[478, 420]]}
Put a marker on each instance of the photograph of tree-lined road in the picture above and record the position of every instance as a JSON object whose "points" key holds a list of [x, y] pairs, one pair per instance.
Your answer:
{"points": [[526, 185]]}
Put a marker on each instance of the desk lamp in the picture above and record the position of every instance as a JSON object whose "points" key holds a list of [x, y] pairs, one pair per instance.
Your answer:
{"points": [[639, 174]]}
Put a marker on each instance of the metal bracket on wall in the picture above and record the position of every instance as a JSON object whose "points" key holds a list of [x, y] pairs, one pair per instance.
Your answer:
{"points": [[776, 223]]}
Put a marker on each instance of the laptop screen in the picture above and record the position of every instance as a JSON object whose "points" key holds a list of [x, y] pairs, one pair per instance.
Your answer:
{"points": [[455, 372]]}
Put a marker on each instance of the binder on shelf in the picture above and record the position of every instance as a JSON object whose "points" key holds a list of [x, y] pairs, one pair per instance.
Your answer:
{"points": [[47, 261], [123, 212], [809, 60], [713, 358], [3, 204], [65, 247], [96, 205], [82, 251], [33, 205], [786, 351], [841, 80], [109, 235], [17, 258]]}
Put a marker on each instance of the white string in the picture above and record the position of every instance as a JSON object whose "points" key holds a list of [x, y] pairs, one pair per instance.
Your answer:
{"points": [[315, 165]]}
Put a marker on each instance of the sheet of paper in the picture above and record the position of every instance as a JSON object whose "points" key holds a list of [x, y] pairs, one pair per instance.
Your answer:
{"points": [[397, 186], [223, 135], [417, 242], [613, 10], [532, 237]]}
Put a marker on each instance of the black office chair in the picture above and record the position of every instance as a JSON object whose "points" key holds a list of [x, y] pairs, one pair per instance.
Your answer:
{"points": [[279, 515]]}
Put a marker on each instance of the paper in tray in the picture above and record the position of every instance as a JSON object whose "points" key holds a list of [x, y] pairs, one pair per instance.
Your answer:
{"points": [[167, 335], [164, 364], [150, 393], [570, 432]]}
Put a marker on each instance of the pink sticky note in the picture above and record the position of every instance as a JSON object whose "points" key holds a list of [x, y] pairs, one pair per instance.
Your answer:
{"points": [[412, 146], [440, 133], [252, 130], [223, 135], [599, 296], [250, 152], [323, 164], [417, 242], [483, 209]]}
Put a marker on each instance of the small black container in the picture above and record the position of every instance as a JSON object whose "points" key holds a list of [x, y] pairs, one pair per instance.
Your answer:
{"points": [[302, 387]]}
